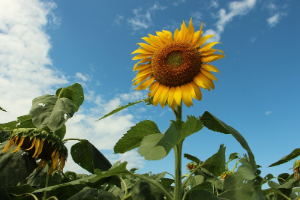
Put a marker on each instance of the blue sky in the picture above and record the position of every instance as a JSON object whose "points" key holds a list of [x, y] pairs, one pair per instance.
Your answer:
{"points": [[45, 45]]}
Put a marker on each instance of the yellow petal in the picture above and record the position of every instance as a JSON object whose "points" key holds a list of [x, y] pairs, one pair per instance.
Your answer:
{"points": [[197, 92], [177, 95], [210, 68], [155, 40], [208, 74], [145, 84], [191, 31], [197, 36], [19, 145], [141, 67], [143, 51], [208, 52], [202, 40], [157, 95], [142, 61], [37, 144], [211, 58], [143, 72], [153, 88], [164, 36], [40, 148], [173, 106], [208, 46], [141, 56], [140, 79], [176, 34], [168, 35], [186, 93], [53, 154], [201, 81], [7, 146], [170, 96], [147, 40], [183, 31], [147, 47], [32, 144], [164, 96]]}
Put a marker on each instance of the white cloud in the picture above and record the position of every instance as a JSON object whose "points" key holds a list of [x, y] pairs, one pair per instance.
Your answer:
{"points": [[133, 96], [268, 112], [271, 6], [143, 21], [236, 8], [214, 4], [252, 40], [118, 19], [197, 16], [27, 72], [26, 69], [176, 2], [273, 20], [81, 76]]}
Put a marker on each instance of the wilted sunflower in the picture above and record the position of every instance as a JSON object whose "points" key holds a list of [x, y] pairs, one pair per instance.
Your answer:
{"points": [[40, 145], [176, 66]]}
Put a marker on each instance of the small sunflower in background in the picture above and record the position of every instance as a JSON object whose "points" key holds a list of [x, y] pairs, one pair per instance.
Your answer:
{"points": [[40, 145], [176, 66]]}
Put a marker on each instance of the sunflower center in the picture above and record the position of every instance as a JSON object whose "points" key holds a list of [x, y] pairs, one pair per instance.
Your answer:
{"points": [[175, 63], [174, 59]]}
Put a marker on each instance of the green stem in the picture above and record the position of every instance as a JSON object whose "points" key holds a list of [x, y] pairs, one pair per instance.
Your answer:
{"points": [[178, 156], [189, 176], [46, 185]]}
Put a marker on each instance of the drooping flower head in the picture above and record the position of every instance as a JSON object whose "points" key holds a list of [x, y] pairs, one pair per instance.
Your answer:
{"points": [[40, 145], [176, 66]]}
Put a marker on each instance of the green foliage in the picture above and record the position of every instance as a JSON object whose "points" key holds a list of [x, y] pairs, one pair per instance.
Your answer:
{"points": [[295, 153], [121, 108], [211, 179], [14, 167], [50, 111], [214, 124], [74, 93], [89, 157], [133, 138], [216, 163]]}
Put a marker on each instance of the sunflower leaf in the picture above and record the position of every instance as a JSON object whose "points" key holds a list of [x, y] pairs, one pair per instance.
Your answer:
{"points": [[133, 138], [50, 111], [121, 108], [157, 146], [192, 158], [192, 125], [295, 153], [74, 93], [14, 167], [214, 124], [89, 157], [216, 163]]}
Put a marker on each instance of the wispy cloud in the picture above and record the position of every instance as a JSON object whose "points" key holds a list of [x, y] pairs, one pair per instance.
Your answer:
{"points": [[81, 76], [268, 112], [236, 8], [197, 16], [143, 20], [177, 2], [273, 20], [214, 3], [277, 12], [118, 19]]}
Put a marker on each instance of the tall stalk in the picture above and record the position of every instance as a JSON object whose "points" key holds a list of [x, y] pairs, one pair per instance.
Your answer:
{"points": [[178, 155]]}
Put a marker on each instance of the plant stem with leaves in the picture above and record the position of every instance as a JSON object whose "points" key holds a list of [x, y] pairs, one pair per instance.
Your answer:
{"points": [[178, 154]]}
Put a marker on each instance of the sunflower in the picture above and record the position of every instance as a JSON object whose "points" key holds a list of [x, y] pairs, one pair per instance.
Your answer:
{"points": [[40, 145], [175, 67]]}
